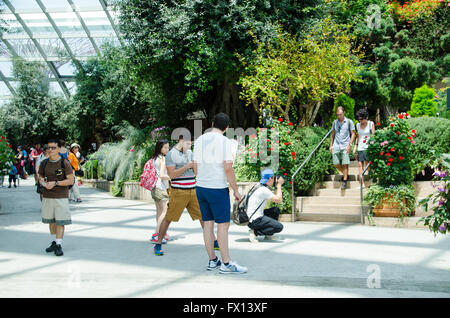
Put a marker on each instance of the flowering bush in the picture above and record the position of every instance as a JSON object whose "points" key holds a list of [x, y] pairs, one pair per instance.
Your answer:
{"points": [[439, 221], [292, 147], [411, 10], [390, 151], [6, 155]]}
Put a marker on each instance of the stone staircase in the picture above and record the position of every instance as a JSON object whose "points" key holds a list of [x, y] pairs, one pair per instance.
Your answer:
{"points": [[329, 203]]}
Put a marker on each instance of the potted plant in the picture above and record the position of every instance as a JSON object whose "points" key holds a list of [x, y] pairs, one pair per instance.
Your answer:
{"points": [[390, 152], [439, 221]]}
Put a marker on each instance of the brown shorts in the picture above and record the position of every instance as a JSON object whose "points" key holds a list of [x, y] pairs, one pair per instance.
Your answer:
{"points": [[180, 199]]}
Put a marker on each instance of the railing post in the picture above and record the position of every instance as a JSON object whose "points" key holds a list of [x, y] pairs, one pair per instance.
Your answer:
{"points": [[363, 221]]}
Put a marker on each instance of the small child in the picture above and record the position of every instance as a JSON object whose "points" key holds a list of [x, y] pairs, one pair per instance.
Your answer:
{"points": [[12, 175]]}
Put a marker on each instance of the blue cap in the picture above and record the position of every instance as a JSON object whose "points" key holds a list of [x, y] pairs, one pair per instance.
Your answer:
{"points": [[266, 175]]}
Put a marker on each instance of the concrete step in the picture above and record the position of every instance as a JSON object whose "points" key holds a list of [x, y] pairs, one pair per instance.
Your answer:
{"points": [[353, 209], [350, 177], [337, 184], [336, 200], [337, 192], [324, 217]]}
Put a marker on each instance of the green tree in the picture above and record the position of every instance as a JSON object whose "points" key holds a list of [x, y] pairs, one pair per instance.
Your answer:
{"points": [[33, 114], [294, 76], [423, 103], [187, 48]]}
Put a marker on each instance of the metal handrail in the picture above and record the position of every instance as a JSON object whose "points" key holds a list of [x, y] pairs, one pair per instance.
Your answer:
{"points": [[301, 166], [361, 193]]}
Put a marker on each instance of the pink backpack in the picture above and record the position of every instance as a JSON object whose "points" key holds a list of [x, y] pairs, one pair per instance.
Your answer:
{"points": [[149, 177]]}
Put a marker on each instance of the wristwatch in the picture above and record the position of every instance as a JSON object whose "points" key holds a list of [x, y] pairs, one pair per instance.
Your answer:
{"points": [[56, 183]]}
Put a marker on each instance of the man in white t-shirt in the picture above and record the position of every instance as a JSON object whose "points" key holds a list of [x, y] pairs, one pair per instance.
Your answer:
{"points": [[213, 166], [265, 221]]}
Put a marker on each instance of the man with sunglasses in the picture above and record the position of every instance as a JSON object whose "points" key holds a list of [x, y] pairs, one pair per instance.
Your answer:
{"points": [[56, 175], [342, 138]]}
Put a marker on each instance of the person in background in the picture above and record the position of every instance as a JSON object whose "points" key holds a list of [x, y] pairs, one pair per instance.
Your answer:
{"points": [[74, 192], [365, 128], [159, 193], [56, 175], [341, 141], [12, 175], [44, 155], [34, 154], [63, 152]]}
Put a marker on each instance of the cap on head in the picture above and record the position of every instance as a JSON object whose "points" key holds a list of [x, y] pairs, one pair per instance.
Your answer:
{"points": [[266, 175]]}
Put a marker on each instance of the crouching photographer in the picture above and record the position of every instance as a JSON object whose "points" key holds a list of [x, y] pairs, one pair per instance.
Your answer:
{"points": [[265, 221]]}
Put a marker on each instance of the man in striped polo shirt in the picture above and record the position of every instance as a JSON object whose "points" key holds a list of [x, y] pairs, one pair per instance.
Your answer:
{"points": [[180, 169]]}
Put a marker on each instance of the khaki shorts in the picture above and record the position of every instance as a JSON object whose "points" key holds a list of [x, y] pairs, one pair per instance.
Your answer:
{"points": [[341, 157], [159, 195], [183, 199], [56, 211]]}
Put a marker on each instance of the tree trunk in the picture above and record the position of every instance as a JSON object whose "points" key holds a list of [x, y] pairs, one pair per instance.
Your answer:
{"points": [[227, 101]]}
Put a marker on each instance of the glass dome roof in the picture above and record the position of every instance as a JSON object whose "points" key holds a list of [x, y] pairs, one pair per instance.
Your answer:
{"points": [[56, 33]]}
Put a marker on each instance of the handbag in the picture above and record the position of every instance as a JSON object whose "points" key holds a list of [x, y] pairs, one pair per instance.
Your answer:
{"points": [[239, 213]]}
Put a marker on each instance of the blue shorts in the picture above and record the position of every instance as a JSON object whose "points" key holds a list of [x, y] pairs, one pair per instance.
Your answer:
{"points": [[214, 204]]}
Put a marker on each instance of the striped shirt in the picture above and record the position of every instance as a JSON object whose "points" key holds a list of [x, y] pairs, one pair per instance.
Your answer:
{"points": [[178, 159]]}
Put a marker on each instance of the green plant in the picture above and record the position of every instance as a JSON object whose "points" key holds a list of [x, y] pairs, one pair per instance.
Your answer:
{"points": [[439, 221], [390, 152], [404, 195], [423, 103], [347, 103], [6, 155], [432, 134], [291, 146]]}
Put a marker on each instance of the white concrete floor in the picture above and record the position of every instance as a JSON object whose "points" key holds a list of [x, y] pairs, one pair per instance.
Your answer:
{"points": [[108, 254]]}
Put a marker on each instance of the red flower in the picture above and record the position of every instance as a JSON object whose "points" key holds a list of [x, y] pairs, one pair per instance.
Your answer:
{"points": [[390, 160], [290, 182], [378, 124], [281, 168], [285, 174], [388, 154], [414, 135], [413, 131], [401, 158], [364, 141], [285, 143], [392, 125], [388, 163], [3, 137], [381, 153], [392, 149], [410, 138], [400, 116], [278, 141], [280, 120], [398, 133], [291, 124], [293, 154], [289, 143]]}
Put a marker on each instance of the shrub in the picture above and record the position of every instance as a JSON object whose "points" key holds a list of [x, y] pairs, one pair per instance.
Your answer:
{"points": [[293, 147], [390, 152], [6, 155], [423, 103], [432, 134]]}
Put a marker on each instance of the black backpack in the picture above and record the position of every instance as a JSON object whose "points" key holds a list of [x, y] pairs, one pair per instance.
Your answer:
{"points": [[40, 188], [239, 213]]}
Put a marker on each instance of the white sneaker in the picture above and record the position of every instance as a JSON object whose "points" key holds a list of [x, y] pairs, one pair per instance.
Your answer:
{"points": [[212, 265], [273, 238], [232, 268], [252, 236]]}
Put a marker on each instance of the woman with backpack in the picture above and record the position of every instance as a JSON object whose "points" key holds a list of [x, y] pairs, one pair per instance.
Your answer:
{"points": [[159, 192]]}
